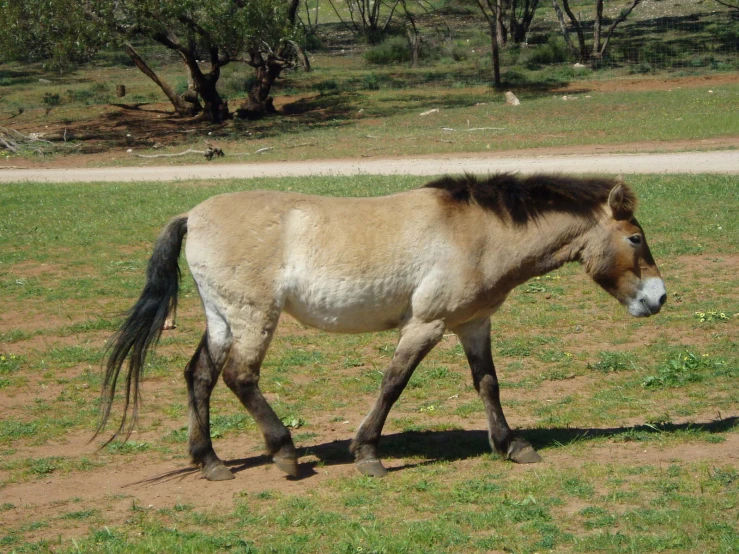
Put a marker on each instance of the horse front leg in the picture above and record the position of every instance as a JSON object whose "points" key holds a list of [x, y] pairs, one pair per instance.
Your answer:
{"points": [[475, 339], [416, 340]]}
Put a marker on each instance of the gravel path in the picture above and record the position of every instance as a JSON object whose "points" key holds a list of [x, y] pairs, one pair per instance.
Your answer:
{"points": [[724, 161]]}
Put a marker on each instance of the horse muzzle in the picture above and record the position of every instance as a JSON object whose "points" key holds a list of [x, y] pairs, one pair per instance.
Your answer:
{"points": [[649, 299]]}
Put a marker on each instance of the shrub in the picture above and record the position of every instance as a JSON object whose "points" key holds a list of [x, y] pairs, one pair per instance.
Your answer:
{"points": [[391, 50], [51, 99], [554, 51]]}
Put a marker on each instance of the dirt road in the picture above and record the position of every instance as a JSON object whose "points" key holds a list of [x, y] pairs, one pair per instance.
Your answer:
{"points": [[723, 161]]}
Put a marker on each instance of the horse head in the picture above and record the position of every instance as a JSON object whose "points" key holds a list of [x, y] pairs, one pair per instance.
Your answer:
{"points": [[619, 259]]}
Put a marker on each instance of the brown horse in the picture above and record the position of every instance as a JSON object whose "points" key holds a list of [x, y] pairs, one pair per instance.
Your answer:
{"points": [[442, 257]]}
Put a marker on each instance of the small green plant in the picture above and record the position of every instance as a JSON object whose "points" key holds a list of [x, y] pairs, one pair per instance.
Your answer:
{"points": [[371, 82], [611, 361], [10, 363], [52, 99], [682, 369], [710, 317]]}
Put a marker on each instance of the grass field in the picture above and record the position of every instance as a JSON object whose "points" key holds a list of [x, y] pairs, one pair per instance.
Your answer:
{"points": [[636, 420]]}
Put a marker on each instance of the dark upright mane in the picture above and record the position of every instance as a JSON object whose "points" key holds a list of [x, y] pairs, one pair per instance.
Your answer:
{"points": [[526, 197]]}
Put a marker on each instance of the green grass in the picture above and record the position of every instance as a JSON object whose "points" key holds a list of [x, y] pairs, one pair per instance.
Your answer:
{"points": [[591, 387]]}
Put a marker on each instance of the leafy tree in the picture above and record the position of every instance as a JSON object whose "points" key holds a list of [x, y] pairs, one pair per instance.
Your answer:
{"points": [[600, 44], [206, 34]]}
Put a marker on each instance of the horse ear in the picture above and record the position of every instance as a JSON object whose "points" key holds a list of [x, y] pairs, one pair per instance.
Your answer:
{"points": [[616, 201]]}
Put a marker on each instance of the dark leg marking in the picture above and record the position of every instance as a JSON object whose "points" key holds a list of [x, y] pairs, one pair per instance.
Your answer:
{"points": [[415, 342], [475, 339], [243, 380], [201, 375]]}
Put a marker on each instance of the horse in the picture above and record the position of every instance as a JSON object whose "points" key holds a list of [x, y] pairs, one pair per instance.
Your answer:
{"points": [[439, 258]]}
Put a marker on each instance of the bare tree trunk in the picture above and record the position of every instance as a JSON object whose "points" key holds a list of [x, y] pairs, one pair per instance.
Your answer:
{"points": [[215, 109], [584, 55], [496, 56], [596, 28], [501, 33], [520, 21], [414, 37], [181, 106], [414, 42], [624, 14], [259, 102], [563, 26], [492, 17]]}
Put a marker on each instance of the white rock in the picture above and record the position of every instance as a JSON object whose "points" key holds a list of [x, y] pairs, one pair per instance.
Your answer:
{"points": [[511, 99]]}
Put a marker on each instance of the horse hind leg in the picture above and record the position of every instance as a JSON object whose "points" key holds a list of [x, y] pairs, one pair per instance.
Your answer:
{"points": [[241, 374], [201, 375]]}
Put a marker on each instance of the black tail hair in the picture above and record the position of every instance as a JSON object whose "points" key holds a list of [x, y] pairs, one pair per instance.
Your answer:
{"points": [[143, 326]]}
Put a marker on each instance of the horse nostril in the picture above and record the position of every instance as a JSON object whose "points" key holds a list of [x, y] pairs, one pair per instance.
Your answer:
{"points": [[662, 299]]}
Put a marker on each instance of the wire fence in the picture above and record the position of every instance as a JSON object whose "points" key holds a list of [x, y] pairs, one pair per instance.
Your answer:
{"points": [[708, 39]]}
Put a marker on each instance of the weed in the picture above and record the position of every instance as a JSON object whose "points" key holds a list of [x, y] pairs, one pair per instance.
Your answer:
{"points": [[612, 361], [10, 363], [128, 447], [81, 514], [686, 367], [711, 317]]}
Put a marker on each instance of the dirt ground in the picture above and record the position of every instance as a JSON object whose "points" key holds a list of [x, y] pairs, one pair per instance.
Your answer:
{"points": [[152, 480]]}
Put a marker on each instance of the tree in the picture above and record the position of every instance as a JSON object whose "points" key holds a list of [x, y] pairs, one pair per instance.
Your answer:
{"points": [[491, 11], [520, 15], [219, 32], [367, 17], [271, 51], [600, 45]]}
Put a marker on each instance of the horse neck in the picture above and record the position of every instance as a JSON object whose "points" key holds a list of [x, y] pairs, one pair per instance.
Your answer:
{"points": [[541, 246]]}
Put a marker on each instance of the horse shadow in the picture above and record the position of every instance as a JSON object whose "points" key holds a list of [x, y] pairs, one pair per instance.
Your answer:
{"points": [[428, 447]]}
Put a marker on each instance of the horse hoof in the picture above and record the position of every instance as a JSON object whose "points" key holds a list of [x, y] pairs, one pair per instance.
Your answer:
{"points": [[217, 472], [372, 467], [288, 465], [522, 452]]}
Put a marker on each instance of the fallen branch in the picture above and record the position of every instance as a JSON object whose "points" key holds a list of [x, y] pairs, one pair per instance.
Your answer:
{"points": [[475, 129], [209, 154], [18, 143]]}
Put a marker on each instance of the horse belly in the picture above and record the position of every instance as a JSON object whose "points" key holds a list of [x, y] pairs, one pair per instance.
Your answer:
{"points": [[348, 305]]}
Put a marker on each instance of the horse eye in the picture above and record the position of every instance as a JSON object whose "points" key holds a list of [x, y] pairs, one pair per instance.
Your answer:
{"points": [[635, 240]]}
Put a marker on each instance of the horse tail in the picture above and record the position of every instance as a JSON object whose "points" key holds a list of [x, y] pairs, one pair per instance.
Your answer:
{"points": [[143, 326]]}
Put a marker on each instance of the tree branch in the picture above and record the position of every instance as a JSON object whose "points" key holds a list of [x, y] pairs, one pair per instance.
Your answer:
{"points": [[622, 17]]}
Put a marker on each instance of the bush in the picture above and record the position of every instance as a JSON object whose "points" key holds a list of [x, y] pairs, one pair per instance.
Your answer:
{"points": [[392, 50], [51, 99], [371, 82], [98, 93], [554, 51]]}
